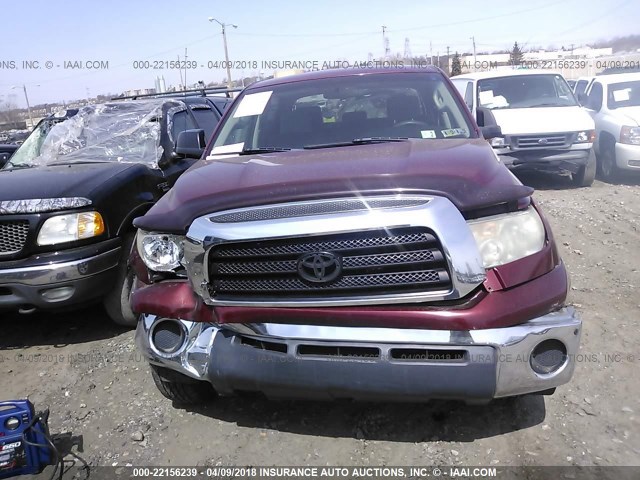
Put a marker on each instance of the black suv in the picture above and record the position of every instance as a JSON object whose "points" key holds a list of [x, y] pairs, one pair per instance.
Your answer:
{"points": [[69, 194]]}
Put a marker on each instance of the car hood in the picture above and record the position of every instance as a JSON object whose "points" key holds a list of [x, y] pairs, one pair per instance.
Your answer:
{"points": [[55, 181], [628, 115], [527, 121], [465, 171]]}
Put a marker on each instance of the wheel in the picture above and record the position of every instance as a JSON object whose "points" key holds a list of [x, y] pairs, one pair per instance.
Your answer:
{"points": [[587, 173], [116, 302], [180, 388], [608, 166]]}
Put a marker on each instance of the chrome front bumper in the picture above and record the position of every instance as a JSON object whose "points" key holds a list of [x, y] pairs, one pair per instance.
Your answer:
{"points": [[497, 361], [76, 281]]}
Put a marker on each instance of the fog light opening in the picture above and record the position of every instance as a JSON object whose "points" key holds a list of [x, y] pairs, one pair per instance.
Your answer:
{"points": [[168, 336], [548, 357], [58, 294]]}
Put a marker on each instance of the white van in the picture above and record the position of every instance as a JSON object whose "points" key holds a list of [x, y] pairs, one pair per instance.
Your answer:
{"points": [[543, 126]]}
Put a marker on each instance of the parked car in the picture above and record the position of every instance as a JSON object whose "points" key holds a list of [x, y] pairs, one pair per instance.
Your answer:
{"points": [[544, 128], [69, 194], [6, 150], [372, 254], [614, 103]]}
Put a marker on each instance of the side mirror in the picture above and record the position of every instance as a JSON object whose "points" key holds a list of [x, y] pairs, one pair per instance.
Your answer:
{"points": [[191, 143], [480, 117], [491, 131]]}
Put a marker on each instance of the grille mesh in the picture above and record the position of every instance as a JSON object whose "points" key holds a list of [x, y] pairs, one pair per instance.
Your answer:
{"points": [[380, 262], [13, 236], [548, 141], [360, 281], [329, 245], [316, 208]]}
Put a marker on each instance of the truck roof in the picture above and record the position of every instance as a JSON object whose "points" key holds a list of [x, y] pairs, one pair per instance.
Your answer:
{"points": [[503, 73], [617, 78]]}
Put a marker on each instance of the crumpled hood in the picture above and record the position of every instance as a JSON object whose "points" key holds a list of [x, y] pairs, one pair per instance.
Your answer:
{"points": [[528, 121], [465, 171], [55, 181]]}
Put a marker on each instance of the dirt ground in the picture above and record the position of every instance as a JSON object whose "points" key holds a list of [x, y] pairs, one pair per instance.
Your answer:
{"points": [[98, 387]]}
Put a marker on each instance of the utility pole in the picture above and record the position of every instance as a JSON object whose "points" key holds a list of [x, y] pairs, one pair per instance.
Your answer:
{"points": [[430, 53], [448, 64], [185, 68], [226, 50], [180, 72], [473, 39], [26, 98], [385, 41]]}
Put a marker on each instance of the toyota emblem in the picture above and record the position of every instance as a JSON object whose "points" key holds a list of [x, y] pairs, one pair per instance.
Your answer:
{"points": [[319, 267]]}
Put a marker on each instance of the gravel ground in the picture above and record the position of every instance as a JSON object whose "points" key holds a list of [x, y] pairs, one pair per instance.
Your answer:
{"points": [[98, 387]]}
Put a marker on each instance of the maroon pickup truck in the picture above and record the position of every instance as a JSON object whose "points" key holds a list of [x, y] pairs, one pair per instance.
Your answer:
{"points": [[351, 235]]}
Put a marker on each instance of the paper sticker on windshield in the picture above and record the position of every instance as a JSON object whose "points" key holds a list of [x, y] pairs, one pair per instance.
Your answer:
{"points": [[452, 132], [252, 104], [621, 95], [232, 148], [428, 133], [486, 97]]}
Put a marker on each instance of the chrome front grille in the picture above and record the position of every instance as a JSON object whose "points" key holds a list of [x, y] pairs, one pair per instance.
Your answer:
{"points": [[555, 140], [373, 250], [374, 262], [13, 236]]}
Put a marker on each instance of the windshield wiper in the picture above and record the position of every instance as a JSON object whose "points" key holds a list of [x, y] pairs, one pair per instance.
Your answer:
{"points": [[549, 105], [254, 151], [357, 141], [14, 166]]}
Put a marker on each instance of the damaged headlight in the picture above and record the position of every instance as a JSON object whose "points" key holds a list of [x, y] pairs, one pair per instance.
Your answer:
{"points": [[505, 238], [71, 227], [160, 252]]}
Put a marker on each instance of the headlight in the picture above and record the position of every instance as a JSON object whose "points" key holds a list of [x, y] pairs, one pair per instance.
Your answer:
{"points": [[630, 135], [67, 228], [586, 136], [160, 252], [498, 142], [505, 238]]}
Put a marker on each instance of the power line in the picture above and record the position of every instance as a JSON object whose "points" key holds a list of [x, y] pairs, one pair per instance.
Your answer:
{"points": [[422, 27]]}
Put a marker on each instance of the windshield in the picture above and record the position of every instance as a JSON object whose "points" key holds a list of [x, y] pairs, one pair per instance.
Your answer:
{"points": [[30, 149], [111, 132], [625, 94], [337, 111], [525, 91]]}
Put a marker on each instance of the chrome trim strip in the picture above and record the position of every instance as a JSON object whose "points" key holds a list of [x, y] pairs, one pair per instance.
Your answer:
{"points": [[437, 213], [61, 272]]}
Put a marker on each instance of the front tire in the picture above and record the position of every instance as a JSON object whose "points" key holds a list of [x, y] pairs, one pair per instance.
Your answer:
{"points": [[180, 388], [608, 166], [585, 176], [117, 301]]}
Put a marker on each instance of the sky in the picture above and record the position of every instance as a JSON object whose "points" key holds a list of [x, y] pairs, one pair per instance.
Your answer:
{"points": [[127, 34]]}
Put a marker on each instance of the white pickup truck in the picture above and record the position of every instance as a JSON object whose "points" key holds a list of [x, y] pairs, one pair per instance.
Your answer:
{"points": [[614, 103], [543, 126]]}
